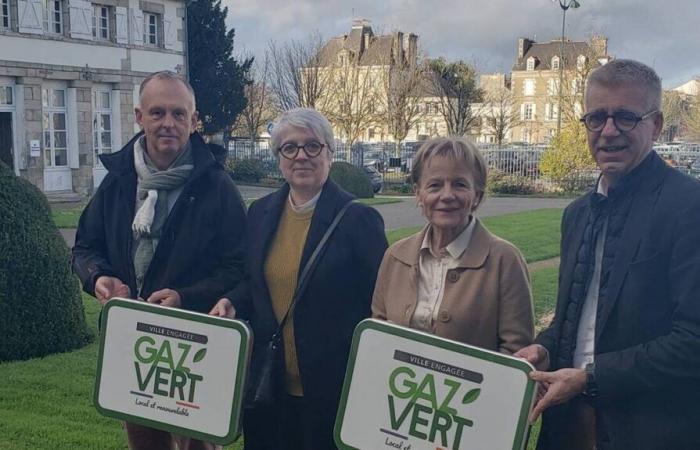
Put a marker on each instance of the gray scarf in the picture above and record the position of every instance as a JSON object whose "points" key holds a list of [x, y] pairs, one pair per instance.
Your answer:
{"points": [[152, 190]]}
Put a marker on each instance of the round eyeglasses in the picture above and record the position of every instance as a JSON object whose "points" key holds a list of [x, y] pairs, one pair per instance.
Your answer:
{"points": [[623, 120], [290, 151]]}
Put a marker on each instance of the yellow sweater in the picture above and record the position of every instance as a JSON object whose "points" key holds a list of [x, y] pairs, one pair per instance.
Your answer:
{"points": [[281, 273]]}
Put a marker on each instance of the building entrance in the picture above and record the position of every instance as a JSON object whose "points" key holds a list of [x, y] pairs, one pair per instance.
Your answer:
{"points": [[6, 140]]}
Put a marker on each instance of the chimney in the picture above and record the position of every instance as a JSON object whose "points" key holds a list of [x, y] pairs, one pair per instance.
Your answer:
{"points": [[410, 48], [599, 45], [366, 34], [524, 45], [398, 47]]}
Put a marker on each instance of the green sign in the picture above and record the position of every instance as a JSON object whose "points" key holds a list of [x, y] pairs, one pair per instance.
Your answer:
{"points": [[172, 370]]}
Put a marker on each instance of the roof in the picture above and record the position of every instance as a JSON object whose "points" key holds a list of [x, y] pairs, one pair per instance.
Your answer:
{"points": [[544, 52], [379, 51]]}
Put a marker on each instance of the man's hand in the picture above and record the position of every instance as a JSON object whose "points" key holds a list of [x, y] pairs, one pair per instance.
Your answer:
{"points": [[166, 297], [223, 308], [108, 287], [561, 385], [536, 355]]}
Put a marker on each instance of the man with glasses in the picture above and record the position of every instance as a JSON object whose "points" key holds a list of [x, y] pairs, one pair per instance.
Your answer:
{"points": [[623, 349]]}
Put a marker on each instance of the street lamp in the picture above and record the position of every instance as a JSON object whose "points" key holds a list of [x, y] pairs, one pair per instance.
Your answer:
{"points": [[565, 5]]}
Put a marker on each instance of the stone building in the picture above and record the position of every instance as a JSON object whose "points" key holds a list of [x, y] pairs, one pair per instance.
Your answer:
{"points": [[535, 83], [69, 77]]}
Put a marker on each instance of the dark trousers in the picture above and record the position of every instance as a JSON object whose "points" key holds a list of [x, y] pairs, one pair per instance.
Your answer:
{"points": [[581, 428], [289, 425]]}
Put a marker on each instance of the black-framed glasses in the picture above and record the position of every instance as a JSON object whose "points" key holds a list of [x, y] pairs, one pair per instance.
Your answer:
{"points": [[311, 148], [623, 120]]}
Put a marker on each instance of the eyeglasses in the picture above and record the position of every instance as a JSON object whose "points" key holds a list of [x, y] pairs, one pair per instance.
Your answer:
{"points": [[312, 149], [623, 120]]}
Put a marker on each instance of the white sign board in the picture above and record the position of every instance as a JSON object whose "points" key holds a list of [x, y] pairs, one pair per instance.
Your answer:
{"points": [[409, 390], [172, 370], [34, 148]]}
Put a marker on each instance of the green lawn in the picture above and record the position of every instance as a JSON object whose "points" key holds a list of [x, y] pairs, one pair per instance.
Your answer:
{"points": [[66, 217], [536, 233]]}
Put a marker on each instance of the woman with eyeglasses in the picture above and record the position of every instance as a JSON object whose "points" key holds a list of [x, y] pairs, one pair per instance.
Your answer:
{"points": [[315, 320]]}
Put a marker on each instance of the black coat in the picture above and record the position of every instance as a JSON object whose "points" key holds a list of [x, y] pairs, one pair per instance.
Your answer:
{"points": [[202, 247], [337, 297], [647, 336]]}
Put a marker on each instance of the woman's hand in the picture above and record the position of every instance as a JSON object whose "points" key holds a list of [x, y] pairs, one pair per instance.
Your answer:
{"points": [[223, 308]]}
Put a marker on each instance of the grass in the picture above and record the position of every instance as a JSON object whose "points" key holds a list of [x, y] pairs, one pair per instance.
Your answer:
{"points": [[66, 217], [379, 201], [536, 233]]}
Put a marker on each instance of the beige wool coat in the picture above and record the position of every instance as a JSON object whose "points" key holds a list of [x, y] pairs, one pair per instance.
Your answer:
{"points": [[487, 300]]}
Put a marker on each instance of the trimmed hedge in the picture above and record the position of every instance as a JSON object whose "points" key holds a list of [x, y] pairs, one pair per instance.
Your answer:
{"points": [[249, 170], [351, 178], [41, 311]]}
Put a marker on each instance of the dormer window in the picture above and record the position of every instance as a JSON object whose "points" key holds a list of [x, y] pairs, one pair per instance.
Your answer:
{"points": [[555, 63], [580, 62], [530, 63]]}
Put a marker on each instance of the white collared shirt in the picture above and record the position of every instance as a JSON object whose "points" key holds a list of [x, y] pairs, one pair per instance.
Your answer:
{"points": [[432, 274]]}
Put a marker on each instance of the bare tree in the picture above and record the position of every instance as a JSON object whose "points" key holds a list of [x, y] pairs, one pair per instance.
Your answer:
{"points": [[403, 84], [675, 110], [296, 75], [454, 85], [259, 110], [499, 113], [352, 106]]}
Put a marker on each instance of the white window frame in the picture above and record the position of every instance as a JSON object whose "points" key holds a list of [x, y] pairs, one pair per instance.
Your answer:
{"points": [[149, 32], [580, 62], [7, 88], [5, 20], [51, 110], [101, 30], [529, 87], [530, 63], [552, 87], [555, 63], [528, 111], [99, 110], [53, 16]]}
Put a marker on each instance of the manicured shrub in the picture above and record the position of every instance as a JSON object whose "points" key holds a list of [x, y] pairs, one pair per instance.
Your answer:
{"points": [[248, 170], [41, 311], [352, 178], [500, 183]]}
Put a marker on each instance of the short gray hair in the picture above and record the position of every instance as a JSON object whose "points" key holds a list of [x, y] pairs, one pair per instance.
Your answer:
{"points": [[169, 76], [307, 118], [622, 72], [457, 149]]}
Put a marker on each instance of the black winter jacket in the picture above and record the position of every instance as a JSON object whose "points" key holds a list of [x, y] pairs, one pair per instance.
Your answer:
{"points": [[202, 248]]}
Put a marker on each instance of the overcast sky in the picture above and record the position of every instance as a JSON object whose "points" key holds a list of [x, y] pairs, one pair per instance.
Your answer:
{"points": [[663, 34]]}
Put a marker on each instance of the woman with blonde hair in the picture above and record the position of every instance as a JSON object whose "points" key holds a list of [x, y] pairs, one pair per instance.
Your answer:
{"points": [[454, 278]]}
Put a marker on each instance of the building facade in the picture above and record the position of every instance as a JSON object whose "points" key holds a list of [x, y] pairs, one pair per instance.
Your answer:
{"points": [[69, 77], [535, 83]]}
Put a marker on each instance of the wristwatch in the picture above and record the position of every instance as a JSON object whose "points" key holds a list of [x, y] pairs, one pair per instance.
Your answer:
{"points": [[591, 388]]}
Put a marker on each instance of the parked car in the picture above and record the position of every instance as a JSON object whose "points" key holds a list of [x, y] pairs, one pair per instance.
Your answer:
{"points": [[375, 178]]}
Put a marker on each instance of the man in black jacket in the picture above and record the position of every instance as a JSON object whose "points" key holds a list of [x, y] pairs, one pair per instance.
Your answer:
{"points": [[166, 225], [624, 346]]}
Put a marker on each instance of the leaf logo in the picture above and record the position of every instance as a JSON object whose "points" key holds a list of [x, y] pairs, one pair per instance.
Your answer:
{"points": [[199, 355], [471, 396]]}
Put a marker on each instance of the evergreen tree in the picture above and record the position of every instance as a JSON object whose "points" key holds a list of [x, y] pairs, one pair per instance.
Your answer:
{"points": [[217, 78]]}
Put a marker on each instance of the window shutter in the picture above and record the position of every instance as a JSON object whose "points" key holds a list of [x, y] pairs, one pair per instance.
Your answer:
{"points": [[80, 19], [169, 28], [136, 20], [522, 111], [122, 31], [30, 14]]}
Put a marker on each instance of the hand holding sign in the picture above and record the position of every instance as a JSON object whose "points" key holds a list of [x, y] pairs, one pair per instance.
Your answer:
{"points": [[109, 287], [166, 297], [223, 308]]}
